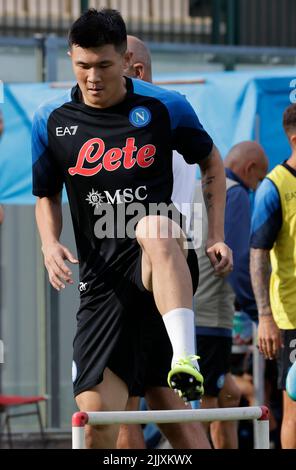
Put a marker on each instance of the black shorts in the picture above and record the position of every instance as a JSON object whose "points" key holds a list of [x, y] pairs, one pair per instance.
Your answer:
{"points": [[286, 356], [119, 327], [214, 362]]}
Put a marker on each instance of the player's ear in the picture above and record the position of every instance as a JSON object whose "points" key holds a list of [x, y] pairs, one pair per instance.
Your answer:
{"points": [[250, 166], [293, 140], [69, 53], [139, 70]]}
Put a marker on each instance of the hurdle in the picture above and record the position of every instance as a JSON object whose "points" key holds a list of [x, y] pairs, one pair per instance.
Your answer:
{"points": [[259, 414]]}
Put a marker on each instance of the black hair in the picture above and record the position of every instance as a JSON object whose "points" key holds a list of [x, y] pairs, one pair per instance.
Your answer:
{"points": [[98, 28], [289, 119]]}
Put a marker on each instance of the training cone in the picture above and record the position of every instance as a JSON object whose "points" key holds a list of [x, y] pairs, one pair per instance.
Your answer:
{"points": [[291, 382]]}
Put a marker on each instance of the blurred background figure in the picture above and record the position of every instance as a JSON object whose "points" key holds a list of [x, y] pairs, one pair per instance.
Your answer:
{"points": [[245, 166], [273, 270]]}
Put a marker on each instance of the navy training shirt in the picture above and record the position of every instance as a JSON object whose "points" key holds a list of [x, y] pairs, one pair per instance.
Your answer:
{"points": [[112, 156], [237, 237]]}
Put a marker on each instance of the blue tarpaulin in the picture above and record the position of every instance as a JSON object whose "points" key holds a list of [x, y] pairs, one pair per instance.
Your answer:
{"points": [[232, 106]]}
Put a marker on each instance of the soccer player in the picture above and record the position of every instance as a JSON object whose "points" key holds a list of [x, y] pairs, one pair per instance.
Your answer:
{"points": [[110, 141], [273, 240]]}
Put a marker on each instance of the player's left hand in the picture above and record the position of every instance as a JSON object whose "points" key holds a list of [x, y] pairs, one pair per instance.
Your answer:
{"points": [[220, 256]]}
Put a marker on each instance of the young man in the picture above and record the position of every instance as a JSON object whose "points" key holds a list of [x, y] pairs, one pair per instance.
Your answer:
{"points": [[273, 240], [246, 165], [156, 345], [110, 141]]}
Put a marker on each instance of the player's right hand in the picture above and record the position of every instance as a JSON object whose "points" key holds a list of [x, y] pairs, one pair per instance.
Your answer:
{"points": [[220, 256], [59, 273], [269, 337]]}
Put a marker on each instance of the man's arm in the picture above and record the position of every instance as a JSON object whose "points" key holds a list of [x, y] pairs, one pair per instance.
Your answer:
{"points": [[266, 224], [269, 338], [49, 222], [214, 192]]}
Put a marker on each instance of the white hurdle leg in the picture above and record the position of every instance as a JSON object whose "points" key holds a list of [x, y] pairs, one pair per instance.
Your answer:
{"points": [[261, 430], [79, 420]]}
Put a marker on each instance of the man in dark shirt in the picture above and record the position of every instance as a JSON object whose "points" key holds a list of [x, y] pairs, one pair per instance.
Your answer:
{"points": [[110, 141]]}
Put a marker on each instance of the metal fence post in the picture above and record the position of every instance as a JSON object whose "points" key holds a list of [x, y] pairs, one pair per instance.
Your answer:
{"points": [[216, 16], [51, 51], [40, 57], [83, 5], [231, 22]]}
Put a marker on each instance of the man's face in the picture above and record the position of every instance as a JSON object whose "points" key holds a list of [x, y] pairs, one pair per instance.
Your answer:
{"points": [[99, 73]]}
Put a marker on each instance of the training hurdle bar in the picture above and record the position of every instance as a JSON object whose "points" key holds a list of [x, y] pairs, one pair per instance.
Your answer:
{"points": [[259, 414]]}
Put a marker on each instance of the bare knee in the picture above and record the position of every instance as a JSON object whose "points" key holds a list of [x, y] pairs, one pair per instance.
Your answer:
{"points": [[110, 395], [159, 236], [230, 395], [100, 437]]}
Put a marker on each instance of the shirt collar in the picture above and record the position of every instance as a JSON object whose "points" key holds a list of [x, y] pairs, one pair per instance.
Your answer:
{"points": [[230, 174]]}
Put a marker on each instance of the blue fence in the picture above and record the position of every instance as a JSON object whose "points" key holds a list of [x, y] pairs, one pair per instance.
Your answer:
{"points": [[238, 22], [232, 106]]}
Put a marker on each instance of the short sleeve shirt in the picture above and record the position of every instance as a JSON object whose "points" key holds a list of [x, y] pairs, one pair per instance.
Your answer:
{"points": [[113, 158]]}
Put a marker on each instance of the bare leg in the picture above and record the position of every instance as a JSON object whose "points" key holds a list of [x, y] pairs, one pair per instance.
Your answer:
{"points": [[131, 435], [110, 395], [166, 274], [288, 430], [164, 268], [180, 435], [246, 387], [208, 402], [224, 433]]}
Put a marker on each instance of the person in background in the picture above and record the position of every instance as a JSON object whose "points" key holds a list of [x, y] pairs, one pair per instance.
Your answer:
{"points": [[245, 166], [273, 271]]}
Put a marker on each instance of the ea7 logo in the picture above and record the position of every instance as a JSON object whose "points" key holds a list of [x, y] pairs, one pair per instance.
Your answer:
{"points": [[62, 131]]}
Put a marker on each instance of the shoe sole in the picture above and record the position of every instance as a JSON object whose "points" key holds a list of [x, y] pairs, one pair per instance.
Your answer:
{"points": [[188, 387]]}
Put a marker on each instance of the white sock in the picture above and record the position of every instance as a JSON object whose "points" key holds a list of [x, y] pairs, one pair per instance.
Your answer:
{"points": [[179, 324]]}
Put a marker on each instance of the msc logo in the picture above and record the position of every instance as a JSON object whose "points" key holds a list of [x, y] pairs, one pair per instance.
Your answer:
{"points": [[62, 131], [140, 117], [121, 196]]}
